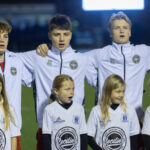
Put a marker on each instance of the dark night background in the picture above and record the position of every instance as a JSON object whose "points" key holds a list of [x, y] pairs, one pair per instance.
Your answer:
{"points": [[89, 28]]}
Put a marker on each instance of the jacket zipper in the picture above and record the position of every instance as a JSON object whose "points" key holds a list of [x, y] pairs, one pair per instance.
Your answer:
{"points": [[124, 63], [61, 62]]}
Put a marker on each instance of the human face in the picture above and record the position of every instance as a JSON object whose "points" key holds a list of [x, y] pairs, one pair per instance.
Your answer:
{"points": [[3, 41], [66, 92], [120, 31], [117, 95], [60, 38]]}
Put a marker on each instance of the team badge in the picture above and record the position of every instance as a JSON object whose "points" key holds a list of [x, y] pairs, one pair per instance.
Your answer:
{"points": [[49, 62], [114, 139], [76, 120], [73, 65], [136, 59], [13, 70], [112, 60], [2, 140], [66, 139], [124, 118]]}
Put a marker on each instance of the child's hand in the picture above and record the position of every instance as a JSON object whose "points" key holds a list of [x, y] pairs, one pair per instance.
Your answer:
{"points": [[42, 50]]}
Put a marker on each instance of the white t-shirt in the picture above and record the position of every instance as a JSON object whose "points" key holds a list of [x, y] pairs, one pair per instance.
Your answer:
{"points": [[146, 124], [12, 131], [64, 125], [116, 133]]}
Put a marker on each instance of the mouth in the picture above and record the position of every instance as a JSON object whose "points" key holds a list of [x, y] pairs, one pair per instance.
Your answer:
{"points": [[122, 36], [2, 45], [61, 45], [70, 97]]}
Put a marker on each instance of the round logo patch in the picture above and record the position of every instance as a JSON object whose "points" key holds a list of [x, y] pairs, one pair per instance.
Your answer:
{"points": [[73, 65], [2, 140], [13, 70], [112, 60], [136, 59], [114, 139], [66, 139]]}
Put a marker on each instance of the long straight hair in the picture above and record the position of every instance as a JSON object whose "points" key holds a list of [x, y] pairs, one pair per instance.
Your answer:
{"points": [[111, 83], [4, 100]]}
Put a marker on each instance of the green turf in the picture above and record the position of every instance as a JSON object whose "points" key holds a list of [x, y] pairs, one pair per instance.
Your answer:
{"points": [[28, 138]]}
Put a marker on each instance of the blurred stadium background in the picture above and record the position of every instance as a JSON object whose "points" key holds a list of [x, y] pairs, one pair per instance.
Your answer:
{"points": [[29, 19]]}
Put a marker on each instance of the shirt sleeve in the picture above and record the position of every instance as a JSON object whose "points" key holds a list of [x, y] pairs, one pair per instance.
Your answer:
{"points": [[28, 59], [134, 125], [47, 122], [92, 124], [27, 76], [91, 69], [146, 123], [14, 128]]}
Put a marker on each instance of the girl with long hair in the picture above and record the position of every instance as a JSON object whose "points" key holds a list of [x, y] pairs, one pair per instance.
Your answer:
{"points": [[64, 125], [8, 121], [113, 121]]}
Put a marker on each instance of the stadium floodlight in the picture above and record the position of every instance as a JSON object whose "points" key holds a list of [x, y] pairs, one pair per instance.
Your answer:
{"points": [[89, 5]]}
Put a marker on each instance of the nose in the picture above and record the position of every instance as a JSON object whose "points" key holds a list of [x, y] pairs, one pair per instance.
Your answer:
{"points": [[121, 30], [61, 37], [121, 94]]}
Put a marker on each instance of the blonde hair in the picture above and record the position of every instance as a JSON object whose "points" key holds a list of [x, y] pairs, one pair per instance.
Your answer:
{"points": [[118, 16], [5, 27], [3, 98], [57, 84], [111, 83]]}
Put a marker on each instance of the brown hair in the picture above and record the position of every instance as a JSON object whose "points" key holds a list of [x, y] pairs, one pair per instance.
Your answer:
{"points": [[57, 84], [5, 27], [60, 22]]}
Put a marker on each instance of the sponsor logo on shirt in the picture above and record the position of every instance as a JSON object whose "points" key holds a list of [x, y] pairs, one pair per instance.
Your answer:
{"points": [[59, 120], [136, 59], [2, 140], [13, 70], [73, 65], [76, 120], [66, 139], [114, 139], [49, 62]]}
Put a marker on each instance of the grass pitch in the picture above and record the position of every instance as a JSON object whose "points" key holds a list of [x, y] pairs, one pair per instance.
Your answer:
{"points": [[30, 126]]}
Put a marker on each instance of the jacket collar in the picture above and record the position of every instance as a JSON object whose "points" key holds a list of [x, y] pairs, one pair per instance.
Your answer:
{"points": [[67, 50], [125, 48]]}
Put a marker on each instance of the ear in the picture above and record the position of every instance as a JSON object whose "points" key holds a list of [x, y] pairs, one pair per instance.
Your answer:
{"points": [[55, 91]]}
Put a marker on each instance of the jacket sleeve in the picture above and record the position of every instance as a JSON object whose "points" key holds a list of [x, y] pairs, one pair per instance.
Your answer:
{"points": [[91, 69]]}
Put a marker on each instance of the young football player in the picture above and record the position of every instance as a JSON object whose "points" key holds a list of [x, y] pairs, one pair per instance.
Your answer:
{"points": [[114, 122], [9, 128], [64, 125], [61, 59], [14, 73]]}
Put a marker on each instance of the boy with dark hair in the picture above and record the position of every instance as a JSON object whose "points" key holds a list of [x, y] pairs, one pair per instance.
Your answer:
{"points": [[61, 59]]}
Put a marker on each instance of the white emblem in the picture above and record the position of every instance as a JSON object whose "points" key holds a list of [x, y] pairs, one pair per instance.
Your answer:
{"points": [[66, 139], [136, 59], [13, 70], [73, 65], [114, 139], [2, 140], [49, 62]]}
